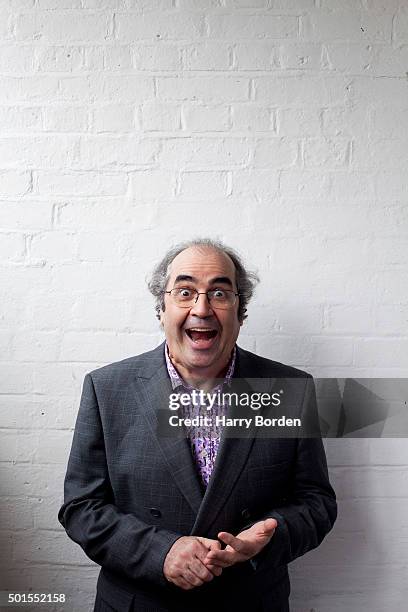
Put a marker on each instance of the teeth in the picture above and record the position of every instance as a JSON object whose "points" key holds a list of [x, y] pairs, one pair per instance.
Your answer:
{"points": [[199, 329]]}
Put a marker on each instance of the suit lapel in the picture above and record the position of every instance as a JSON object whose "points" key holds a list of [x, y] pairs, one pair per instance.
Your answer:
{"points": [[230, 462], [153, 394], [233, 453]]}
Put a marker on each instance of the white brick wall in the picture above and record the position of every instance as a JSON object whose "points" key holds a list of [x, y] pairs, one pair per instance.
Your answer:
{"points": [[279, 126]]}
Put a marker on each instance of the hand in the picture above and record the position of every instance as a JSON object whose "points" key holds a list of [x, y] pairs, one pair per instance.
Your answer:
{"points": [[184, 563], [244, 546]]}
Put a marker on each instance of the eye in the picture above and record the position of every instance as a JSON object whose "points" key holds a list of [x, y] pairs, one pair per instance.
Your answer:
{"points": [[219, 294], [184, 292]]}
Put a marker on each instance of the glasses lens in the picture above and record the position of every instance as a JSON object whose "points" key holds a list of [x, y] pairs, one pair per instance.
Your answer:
{"points": [[221, 298], [184, 296]]}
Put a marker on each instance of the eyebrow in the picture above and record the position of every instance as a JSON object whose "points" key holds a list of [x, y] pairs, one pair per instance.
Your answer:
{"points": [[217, 280]]}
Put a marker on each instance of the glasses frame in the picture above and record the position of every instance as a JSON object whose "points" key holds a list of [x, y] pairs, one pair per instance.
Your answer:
{"points": [[198, 293]]}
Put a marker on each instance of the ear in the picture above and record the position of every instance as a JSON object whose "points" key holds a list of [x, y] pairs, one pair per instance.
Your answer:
{"points": [[241, 321], [160, 316]]}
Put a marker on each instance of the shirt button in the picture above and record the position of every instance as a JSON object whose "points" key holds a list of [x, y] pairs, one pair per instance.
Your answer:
{"points": [[246, 514], [155, 512]]}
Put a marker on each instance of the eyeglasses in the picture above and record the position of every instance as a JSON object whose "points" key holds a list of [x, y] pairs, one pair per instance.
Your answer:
{"points": [[186, 297]]}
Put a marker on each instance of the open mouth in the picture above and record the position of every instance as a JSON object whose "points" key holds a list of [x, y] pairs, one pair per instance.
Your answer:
{"points": [[202, 338]]}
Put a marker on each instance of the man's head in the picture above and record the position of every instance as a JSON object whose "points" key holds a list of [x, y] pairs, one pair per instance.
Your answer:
{"points": [[201, 333]]}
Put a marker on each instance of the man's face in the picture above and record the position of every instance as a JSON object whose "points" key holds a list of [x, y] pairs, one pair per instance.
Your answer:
{"points": [[201, 268]]}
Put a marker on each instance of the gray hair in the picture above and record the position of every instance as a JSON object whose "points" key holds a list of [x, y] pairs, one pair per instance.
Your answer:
{"points": [[245, 279]]}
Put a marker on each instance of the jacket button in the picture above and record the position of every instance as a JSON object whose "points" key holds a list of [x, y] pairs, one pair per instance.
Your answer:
{"points": [[155, 512], [246, 514]]}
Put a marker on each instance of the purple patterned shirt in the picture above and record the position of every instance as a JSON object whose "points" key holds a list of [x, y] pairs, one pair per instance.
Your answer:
{"points": [[204, 440]]}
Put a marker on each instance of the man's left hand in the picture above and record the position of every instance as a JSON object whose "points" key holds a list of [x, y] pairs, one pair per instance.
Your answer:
{"points": [[244, 546]]}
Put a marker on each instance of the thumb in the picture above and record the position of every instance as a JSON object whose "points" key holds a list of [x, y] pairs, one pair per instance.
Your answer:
{"points": [[269, 525]]}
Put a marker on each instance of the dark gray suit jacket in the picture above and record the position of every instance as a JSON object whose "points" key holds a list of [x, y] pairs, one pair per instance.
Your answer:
{"points": [[131, 493]]}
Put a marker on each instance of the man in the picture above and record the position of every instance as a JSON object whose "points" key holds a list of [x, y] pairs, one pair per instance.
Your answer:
{"points": [[206, 520]]}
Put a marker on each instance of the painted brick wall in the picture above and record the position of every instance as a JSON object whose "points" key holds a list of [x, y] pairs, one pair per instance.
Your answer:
{"points": [[279, 126]]}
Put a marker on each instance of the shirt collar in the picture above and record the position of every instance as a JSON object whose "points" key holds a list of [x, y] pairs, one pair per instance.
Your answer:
{"points": [[177, 380]]}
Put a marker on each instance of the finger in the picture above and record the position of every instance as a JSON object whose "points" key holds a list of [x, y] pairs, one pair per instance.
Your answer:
{"points": [[183, 584], [200, 570], [208, 543], [223, 558], [206, 546], [215, 563], [179, 581], [202, 546], [215, 569], [234, 542], [191, 577]]}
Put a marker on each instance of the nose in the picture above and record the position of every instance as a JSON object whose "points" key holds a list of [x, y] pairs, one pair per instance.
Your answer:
{"points": [[202, 307]]}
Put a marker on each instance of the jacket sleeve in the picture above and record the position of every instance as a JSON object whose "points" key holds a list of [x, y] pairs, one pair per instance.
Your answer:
{"points": [[115, 540], [310, 510]]}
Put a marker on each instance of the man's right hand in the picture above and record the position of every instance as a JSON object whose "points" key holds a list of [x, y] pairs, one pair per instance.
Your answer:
{"points": [[184, 563]]}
